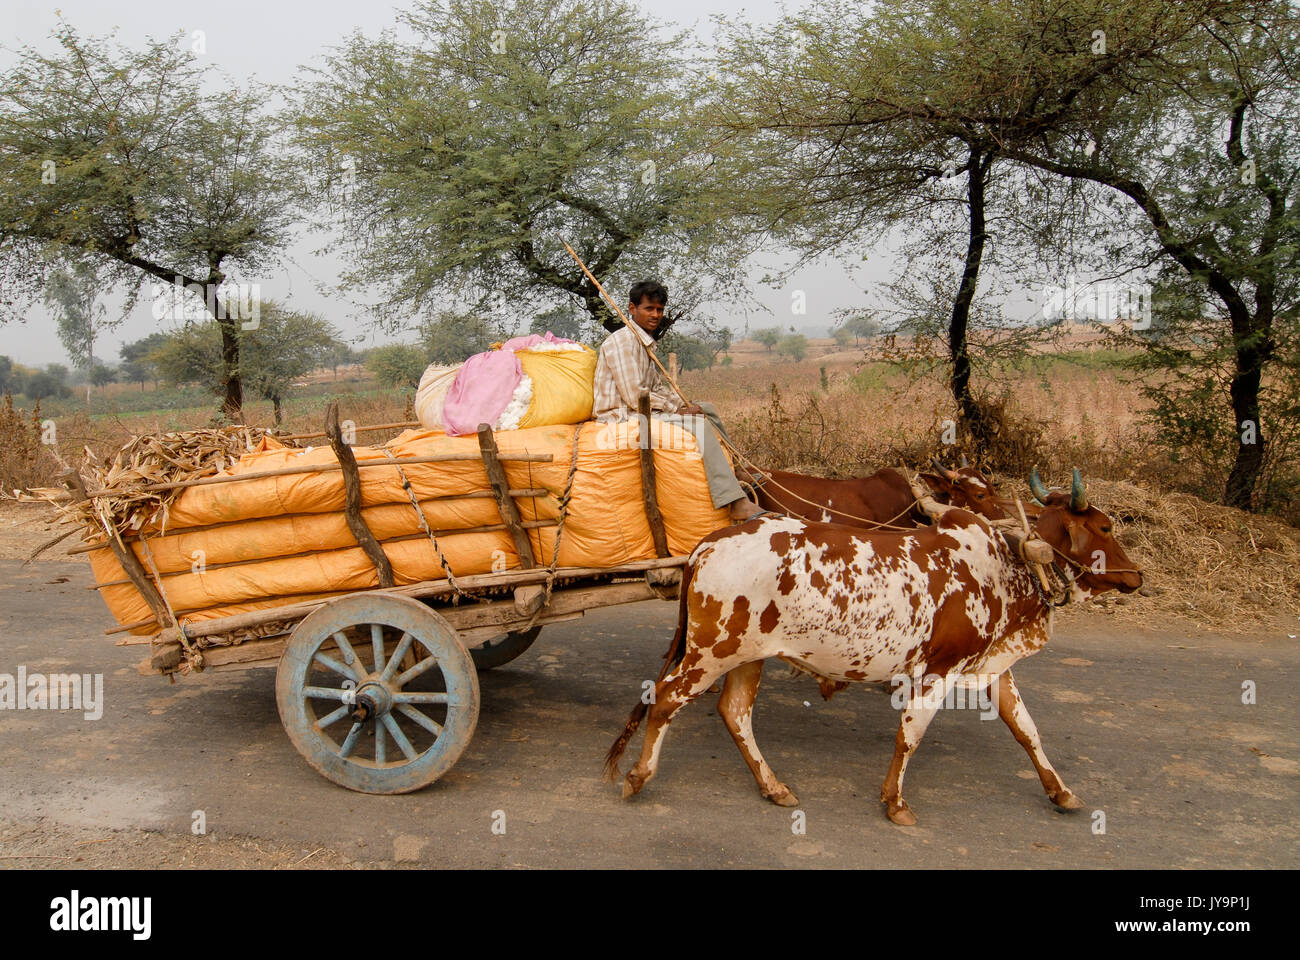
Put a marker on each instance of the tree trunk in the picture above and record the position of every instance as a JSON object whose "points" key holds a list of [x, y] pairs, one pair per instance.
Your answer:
{"points": [[279, 411], [1252, 344], [958, 351], [232, 403], [601, 313]]}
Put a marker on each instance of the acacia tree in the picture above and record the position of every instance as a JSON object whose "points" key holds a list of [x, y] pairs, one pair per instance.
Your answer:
{"points": [[285, 345], [1205, 153], [857, 121], [72, 294], [116, 154], [457, 164]]}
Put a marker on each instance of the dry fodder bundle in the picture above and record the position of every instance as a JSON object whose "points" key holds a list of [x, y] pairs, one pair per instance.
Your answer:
{"points": [[151, 459], [1218, 565]]}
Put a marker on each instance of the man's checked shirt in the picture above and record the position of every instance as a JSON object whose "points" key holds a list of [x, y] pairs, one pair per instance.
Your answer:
{"points": [[622, 371]]}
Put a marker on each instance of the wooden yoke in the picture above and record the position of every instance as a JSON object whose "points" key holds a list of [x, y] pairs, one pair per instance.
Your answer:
{"points": [[352, 490], [528, 599]]}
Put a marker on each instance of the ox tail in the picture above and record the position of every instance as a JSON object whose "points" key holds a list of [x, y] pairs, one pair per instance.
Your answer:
{"points": [[673, 657]]}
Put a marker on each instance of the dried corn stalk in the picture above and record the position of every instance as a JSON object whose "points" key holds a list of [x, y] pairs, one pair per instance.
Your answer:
{"points": [[152, 459]]}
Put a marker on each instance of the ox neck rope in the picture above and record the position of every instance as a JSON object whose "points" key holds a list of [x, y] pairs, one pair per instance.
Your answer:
{"points": [[1066, 574]]}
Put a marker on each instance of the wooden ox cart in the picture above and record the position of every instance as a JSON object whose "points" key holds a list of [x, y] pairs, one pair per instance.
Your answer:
{"points": [[378, 689]]}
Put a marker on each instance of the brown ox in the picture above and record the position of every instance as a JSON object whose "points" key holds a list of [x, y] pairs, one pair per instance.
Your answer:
{"points": [[882, 500], [947, 606]]}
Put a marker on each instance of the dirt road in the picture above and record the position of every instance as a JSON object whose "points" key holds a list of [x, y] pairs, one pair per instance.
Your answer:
{"points": [[1147, 726]]}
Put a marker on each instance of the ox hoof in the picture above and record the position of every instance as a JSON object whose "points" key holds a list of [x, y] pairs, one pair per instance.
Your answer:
{"points": [[901, 814], [1067, 801], [784, 797], [632, 785]]}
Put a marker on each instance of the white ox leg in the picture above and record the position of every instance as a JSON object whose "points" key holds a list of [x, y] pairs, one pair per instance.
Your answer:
{"points": [[683, 684], [737, 708], [911, 728], [1012, 710]]}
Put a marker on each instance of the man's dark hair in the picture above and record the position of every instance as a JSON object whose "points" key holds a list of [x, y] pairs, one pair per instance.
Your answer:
{"points": [[653, 289]]}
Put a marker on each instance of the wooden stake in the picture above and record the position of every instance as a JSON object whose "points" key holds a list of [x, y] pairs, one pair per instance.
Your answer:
{"points": [[496, 475], [352, 489], [125, 556], [648, 492]]}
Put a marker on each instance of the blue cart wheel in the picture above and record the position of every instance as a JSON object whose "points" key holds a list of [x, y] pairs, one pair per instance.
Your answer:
{"points": [[354, 708], [501, 650]]}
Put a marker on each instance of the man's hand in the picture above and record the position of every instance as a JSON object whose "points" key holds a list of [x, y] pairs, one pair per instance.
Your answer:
{"points": [[690, 409]]}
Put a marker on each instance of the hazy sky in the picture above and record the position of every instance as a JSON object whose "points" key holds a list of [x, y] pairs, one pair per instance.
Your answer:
{"points": [[270, 39]]}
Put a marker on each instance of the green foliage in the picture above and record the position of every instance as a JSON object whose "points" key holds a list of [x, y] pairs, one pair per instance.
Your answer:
{"points": [[457, 163], [101, 375], [118, 155], [47, 383], [397, 364], [699, 349], [568, 323], [454, 337], [841, 336], [793, 345], [860, 327], [136, 366], [71, 294], [768, 337], [284, 346]]}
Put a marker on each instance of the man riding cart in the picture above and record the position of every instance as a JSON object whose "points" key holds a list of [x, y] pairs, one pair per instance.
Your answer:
{"points": [[625, 368]]}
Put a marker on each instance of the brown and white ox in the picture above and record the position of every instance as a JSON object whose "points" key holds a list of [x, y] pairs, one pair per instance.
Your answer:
{"points": [[879, 501], [949, 604]]}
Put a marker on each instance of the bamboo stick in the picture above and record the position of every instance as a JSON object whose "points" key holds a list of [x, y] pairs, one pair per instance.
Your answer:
{"points": [[485, 528], [325, 468], [369, 429], [175, 531], [425, 588]]}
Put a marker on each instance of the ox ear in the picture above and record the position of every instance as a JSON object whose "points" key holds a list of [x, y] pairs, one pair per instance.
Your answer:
{"points": [[937, 483]]}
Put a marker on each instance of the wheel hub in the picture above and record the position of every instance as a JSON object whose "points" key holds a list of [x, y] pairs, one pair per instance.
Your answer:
{"points": [[371, 700]]}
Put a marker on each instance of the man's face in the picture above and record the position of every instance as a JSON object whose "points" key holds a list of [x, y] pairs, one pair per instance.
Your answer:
{"points": [[647, 314]]}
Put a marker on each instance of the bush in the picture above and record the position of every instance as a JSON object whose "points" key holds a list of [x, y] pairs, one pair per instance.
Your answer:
{"points": [[794, 346], [398, 364]]}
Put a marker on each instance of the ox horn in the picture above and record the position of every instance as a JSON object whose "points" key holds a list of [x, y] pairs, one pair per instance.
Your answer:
{"points": [[964, 463], [942, 470], [1078, 498], [1036, 487]]}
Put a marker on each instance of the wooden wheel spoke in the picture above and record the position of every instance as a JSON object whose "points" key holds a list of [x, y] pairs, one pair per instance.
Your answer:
{"points": [[323, 693], [403, 645], [399, 738], [380, 753], [433, 726], [377, 644], [349, 655], [351, 740], [422, 698], [348, 673], [333, 717], [424, 666]]}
